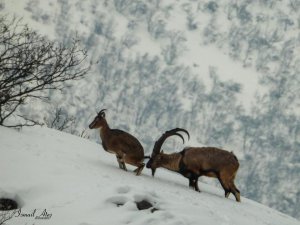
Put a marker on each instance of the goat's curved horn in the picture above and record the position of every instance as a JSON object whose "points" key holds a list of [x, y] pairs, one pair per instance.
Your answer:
{"points": [[160, 141], [101, 113], [185, 131], [102, 110]]}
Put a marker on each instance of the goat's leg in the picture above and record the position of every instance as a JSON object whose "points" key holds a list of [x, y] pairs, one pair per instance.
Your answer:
{"points": [[235, 191], [224, 185], [121, 163], [191, 183], [196, 185], [139, 169]]}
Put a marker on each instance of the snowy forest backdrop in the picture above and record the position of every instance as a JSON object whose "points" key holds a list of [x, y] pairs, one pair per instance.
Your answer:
{"points": [[226, 71]]}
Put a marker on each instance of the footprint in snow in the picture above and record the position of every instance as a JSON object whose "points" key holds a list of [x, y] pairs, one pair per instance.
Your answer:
{"points": [[142, 202], [123, 190], [118, 200]]}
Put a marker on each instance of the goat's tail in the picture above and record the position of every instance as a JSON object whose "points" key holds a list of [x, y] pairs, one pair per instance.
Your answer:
{"points": [[234, 156]]}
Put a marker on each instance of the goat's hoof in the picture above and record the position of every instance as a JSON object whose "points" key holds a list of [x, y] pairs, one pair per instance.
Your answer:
{"points": [[138, 171]]}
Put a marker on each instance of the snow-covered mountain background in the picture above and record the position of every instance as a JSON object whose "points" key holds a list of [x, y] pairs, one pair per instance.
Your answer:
{"points": [[227, 71]]}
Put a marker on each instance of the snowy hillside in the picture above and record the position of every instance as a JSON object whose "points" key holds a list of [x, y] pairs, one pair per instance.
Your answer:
{"points": [[227, 71], [77, 182]]}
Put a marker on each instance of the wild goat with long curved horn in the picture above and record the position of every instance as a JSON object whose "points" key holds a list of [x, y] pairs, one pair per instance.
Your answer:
{"points": [[125, 146], [193, 162]]}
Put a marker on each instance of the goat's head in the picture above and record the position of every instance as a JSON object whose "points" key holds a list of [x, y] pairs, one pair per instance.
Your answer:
{"points": [[99, 120], [156, 162], [156, 158]]}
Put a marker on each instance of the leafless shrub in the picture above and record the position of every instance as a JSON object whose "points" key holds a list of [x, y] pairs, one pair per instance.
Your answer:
{"points": [[30, 64]]}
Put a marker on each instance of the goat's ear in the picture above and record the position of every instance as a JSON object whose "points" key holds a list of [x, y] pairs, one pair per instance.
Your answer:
{"points": [[102, 114], [162, 151]]}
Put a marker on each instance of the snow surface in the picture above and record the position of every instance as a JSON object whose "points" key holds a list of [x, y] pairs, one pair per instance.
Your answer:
{"points": [[77, 182]]}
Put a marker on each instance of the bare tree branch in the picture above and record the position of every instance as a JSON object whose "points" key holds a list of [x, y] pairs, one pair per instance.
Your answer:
{"points": [[29, 64]]}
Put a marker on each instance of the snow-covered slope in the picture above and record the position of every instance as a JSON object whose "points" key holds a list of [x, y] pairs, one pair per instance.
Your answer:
{"points": [[78, 183]]}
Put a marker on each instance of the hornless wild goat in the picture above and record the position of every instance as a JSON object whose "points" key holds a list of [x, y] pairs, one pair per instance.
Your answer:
{"points": [[125, 146], [193, 162]]}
